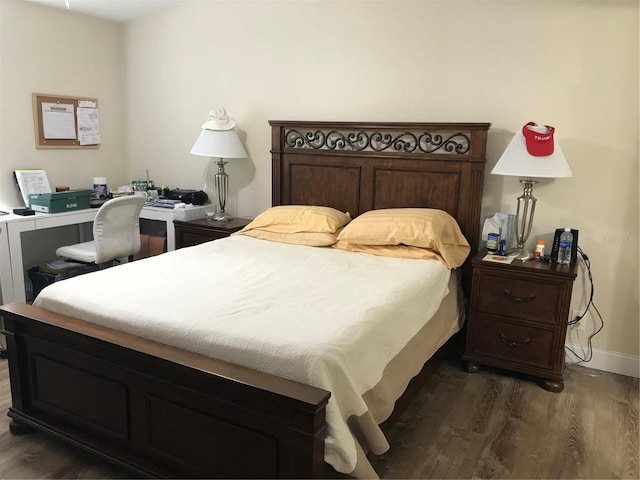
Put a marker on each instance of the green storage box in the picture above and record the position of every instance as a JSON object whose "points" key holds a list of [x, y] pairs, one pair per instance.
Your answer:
{"points": [[60, 201]]}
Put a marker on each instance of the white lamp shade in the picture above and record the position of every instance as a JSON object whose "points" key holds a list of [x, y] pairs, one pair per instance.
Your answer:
{"points": [[517, 161], [219, 144]]}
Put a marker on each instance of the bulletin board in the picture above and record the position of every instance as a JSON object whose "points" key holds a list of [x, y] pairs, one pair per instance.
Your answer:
{"points": [[61, 121]]}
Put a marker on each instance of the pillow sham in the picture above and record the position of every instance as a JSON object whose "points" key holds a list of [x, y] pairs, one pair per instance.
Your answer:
{"points": [[311, 239], [299, 219], [425, 228], [309, 225], [397, 251]]}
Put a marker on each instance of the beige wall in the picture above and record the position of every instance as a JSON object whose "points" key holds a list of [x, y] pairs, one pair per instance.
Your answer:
{"points": [[48, 50], [570, 64]]}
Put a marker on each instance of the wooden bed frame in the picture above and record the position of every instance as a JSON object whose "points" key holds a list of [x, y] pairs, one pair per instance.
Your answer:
{"points": [[160, 411]]}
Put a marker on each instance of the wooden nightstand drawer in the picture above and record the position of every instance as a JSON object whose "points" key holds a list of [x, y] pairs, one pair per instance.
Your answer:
{"points": [[196, 237], [199, 231], [519, 298], [518, 317], [514, 343]]}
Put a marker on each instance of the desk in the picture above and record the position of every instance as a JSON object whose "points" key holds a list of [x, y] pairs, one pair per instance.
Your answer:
{"points": [[12, 271]]}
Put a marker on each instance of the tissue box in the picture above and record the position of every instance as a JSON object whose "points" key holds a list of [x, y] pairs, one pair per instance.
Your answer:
{"points": [[60, 201], [189, 213]]}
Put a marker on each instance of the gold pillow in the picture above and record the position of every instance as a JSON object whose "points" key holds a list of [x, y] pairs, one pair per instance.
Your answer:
{"points": [[426, 228], [311, 239], [299, 219], [397, 251]]}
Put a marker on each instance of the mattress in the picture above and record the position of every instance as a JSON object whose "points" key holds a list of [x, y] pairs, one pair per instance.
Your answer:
{"points": [[337, 320]]}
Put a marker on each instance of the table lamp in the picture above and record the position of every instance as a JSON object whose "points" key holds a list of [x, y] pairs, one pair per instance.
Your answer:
{"points": [[218, 138], [532, 153]]}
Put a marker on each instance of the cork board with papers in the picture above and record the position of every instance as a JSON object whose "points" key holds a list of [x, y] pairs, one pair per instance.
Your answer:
{"points": [[61, 121]]}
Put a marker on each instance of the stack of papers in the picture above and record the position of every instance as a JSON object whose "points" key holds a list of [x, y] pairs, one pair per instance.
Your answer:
{"points": [[166, 203], [32, 182], [498, 258]]}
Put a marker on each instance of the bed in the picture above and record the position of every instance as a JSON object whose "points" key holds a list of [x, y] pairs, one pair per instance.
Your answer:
{"points": [[162, 407]]}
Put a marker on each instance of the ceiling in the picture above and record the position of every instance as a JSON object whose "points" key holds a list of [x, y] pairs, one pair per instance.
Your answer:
{"points": [[115, 10]]}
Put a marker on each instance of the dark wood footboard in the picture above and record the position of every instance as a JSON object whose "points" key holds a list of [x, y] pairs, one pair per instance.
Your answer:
{"points": [[157, 410]]}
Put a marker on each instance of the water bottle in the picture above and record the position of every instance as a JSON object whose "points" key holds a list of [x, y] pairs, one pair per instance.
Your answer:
{"points": [[564, 250]]}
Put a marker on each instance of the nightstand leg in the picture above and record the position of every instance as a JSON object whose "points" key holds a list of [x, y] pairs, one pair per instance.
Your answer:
{"points": [[18, 428], [470, 367], [555, 386]]}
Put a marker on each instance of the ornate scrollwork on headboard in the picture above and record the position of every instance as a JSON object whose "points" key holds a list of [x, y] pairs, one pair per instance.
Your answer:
{"points": [[378, 141]]}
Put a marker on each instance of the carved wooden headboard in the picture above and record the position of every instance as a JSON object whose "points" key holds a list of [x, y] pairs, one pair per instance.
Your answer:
{"points": [[360, 166]]}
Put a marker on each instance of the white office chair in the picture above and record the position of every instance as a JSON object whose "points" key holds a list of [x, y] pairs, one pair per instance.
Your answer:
{"points": [[116, 233]]}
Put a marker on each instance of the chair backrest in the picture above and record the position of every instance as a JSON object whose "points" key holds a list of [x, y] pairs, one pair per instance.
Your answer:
{"points": [[116, 228]]}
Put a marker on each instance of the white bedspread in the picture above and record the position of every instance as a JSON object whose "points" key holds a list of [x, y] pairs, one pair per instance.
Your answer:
{"points": [[320, 316]]}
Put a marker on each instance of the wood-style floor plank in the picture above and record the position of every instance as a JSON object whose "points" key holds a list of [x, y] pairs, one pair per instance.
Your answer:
{"points": [[491, 424], [494, 424]]}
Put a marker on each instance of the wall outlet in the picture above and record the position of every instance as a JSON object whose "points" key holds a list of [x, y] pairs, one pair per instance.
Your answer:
{"points": [[579, 327]]}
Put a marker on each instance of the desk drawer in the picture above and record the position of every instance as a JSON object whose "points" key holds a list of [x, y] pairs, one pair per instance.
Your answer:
{"points": [[519, 298], [514, 343]]}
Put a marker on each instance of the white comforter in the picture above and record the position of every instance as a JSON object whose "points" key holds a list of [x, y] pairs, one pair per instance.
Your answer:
{"points": [[320, 316]]}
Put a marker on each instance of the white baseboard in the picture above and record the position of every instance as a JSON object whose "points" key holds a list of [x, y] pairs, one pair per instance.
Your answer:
{"points": [[613, 362]]}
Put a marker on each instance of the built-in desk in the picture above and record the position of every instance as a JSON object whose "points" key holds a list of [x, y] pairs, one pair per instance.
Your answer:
{"points": [[12, 270]]}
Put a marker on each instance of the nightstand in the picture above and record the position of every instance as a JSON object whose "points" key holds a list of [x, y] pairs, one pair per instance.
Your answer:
{"points": [[518, 316], [204, 230]]}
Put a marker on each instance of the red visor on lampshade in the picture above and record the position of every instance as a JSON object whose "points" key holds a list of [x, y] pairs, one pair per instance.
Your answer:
{"points": [[539, 139]]}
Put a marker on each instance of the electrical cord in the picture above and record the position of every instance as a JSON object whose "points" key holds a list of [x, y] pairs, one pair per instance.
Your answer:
{"points": [[590, 304], [587, 263]]}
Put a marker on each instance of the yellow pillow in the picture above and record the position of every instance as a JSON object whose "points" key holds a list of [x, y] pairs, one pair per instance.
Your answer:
{"points": [[416, 227], [299, 219], [311, 239], [398, 251]]}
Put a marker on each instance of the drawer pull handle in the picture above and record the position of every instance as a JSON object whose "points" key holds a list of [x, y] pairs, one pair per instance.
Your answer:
{"points": [[513, 343], [528, 298]]}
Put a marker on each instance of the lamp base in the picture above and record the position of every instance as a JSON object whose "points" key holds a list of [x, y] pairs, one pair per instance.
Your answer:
{"points": [[221, 216], [521, 254]]}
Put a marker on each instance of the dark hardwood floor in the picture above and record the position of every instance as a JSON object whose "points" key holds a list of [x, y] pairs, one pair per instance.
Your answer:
{"points": [[486, 425], [493, 424]]}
